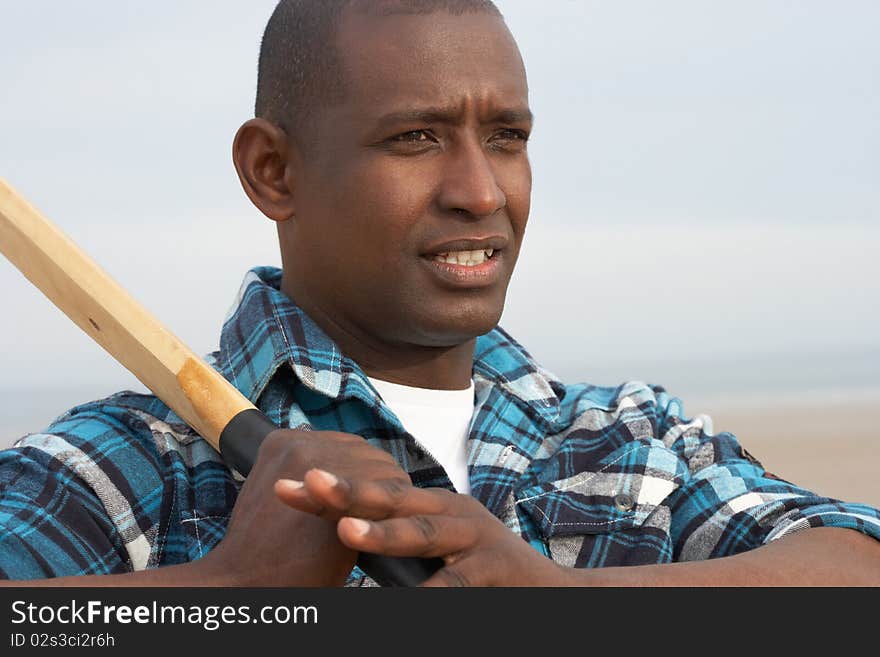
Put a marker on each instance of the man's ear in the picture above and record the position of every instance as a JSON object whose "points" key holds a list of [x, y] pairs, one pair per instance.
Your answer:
{"points": [[261, 153]]}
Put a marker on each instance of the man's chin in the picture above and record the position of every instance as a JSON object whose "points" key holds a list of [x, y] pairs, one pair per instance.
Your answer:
{"points": [[457, 329]]}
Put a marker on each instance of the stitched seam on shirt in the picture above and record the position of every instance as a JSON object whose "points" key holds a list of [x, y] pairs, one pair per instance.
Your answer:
{"points": [[164, 541], [232, 369], [281, 331], [198, 537], [579, 524], [196, 519], [582, 481]]}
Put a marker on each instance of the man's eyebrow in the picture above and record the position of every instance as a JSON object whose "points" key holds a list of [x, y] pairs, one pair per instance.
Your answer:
{"points": [[447, 115], [514, 116]]}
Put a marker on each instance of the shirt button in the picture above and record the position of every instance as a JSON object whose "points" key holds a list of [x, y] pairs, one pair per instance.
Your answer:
{"points": [[624, 502]]}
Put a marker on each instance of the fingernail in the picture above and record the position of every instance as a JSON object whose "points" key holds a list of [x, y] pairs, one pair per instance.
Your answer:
{"points": [[328, 478], [291, 483], [360, 527]]}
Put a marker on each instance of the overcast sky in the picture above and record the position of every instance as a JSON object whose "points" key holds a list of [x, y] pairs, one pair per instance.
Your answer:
{"points": [[706, 180]]}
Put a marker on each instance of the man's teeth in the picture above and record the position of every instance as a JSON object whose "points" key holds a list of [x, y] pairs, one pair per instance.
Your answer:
{"points": [[466, 258]]}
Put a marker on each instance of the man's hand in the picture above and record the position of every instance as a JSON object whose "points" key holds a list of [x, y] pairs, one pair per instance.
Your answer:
{"points": [[270, 544], [267, 543], [391, 517]]}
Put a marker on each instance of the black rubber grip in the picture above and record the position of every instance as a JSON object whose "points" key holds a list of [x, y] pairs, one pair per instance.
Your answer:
{"points": [[398, 571], [239, 443], [241, 439]]}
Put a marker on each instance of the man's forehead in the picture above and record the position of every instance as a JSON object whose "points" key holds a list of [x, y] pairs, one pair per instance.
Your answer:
{"points": [[423, 34], [427, 61]]}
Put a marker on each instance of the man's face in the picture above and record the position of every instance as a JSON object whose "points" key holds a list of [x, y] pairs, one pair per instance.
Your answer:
{"points": [[418, 174]]}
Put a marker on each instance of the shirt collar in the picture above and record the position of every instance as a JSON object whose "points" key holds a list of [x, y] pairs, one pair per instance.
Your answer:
{"points": [[265, 329]]}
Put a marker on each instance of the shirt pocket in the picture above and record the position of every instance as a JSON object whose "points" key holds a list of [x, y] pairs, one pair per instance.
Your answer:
{"points": [[613, 514]]}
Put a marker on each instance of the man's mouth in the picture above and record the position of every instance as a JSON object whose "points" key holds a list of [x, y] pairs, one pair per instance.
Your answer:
{"points": [[466, 258], [466, 269], [467, 262]]}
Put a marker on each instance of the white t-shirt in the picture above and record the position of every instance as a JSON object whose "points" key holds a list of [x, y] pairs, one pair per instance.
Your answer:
{"points": [[439, 420]]}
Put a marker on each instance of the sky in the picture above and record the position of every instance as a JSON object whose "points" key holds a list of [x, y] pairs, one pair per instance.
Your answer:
{"points": [[705, 202]]}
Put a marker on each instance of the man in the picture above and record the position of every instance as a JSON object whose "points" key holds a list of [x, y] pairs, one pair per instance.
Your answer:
{"points": [[390, 148]]}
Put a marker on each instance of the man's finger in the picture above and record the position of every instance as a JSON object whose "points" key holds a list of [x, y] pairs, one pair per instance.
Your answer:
{"points": [[375, 499], [410, 536], [294, 494], [326, 490]]}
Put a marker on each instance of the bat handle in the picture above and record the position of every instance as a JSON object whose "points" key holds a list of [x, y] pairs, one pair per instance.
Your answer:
{"points": [[239, 443]]}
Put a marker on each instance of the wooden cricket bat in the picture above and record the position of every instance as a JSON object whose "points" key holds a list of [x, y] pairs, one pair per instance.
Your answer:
{"points": [[206, 401]]}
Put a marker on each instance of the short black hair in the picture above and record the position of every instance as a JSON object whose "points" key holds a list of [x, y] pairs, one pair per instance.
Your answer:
{"points": [[299, 68]]}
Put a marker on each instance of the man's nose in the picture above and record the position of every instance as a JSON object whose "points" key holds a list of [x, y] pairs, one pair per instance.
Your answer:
{"points": [[470, 184]]}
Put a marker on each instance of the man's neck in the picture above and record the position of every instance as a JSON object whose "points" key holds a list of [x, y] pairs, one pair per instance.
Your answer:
{"points": [[444, 369], [439, 368]]}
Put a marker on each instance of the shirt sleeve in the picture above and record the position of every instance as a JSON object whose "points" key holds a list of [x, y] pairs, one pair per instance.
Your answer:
{"points": [[729, 503], [51, 523]]}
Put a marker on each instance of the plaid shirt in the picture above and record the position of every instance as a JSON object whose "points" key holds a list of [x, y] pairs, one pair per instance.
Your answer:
{"points": [[589, 476]]}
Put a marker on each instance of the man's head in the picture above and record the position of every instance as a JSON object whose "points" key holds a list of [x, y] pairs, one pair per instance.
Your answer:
{"points": [[390, 133], [300, 67]]}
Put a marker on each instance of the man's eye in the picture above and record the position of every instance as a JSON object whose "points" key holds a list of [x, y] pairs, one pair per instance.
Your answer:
{"points": [[413, 136], [511, 134]]}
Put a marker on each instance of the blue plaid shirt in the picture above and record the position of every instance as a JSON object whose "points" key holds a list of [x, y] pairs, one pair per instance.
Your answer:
{"points": [[589, 476]]}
